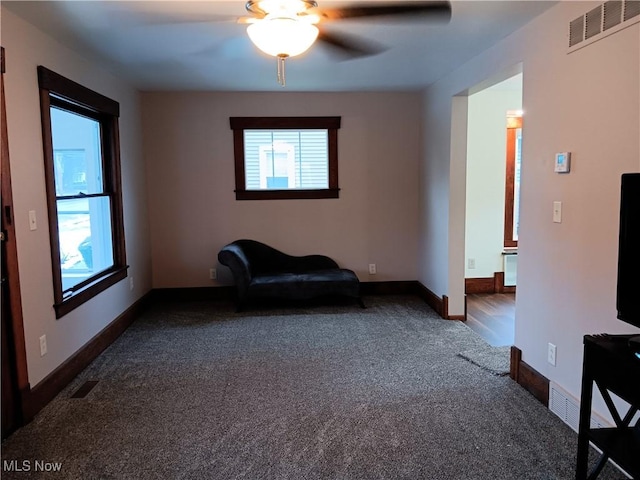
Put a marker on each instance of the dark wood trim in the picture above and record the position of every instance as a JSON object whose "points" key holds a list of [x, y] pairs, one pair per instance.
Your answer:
{"points": [[408, 287], [493, 284], [279, 123], [498, 282], [76, 93], [439, 304], [14, 326], [433, 300], [500, 286], [60, 92], [529, 378], [445, 310], [227, 292], [91, 291], [509, 194], [479, 285], [286, 194], [238, 160], [188, 294], [57, 380], [239, 124]]}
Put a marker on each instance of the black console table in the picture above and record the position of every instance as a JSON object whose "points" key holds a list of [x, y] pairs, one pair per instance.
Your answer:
{"points": [[610, 364]]}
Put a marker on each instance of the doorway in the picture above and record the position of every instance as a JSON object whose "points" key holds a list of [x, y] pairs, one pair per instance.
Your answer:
{"points": [[494, 133]]}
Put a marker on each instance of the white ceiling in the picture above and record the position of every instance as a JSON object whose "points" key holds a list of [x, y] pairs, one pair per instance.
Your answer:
{"points": [[173, 45]]}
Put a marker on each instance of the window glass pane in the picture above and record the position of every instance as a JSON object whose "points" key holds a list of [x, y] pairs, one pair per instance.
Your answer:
{"points": [[286, 159], [86, 244], [516, 184], [77, 158]]}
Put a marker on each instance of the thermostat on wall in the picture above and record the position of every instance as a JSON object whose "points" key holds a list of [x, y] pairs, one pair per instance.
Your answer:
{"points": [[563, 162]]}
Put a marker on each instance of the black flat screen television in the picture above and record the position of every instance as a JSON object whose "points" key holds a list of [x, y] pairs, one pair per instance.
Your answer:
{"points": [[628, 289]]}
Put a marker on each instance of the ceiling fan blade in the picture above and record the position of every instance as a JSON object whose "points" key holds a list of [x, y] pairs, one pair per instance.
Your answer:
{"points": [[349, 47], [436, 10]]}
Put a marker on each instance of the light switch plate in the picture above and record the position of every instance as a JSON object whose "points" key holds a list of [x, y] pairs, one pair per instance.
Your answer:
{"points": [[33, 225], [557, 212]]}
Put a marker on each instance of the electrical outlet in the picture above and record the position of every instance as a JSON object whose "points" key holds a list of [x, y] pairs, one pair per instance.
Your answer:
{"points": [[372, 269], [213, 274], [551, 354], [471, 263], [130, 283], [43, 345]]}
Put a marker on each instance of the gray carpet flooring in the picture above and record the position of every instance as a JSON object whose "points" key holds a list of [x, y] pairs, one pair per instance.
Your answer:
{"points": [[197, 391]]}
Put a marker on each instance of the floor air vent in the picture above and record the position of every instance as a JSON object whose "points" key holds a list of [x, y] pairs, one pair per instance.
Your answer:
{"points": [[84, 389], [604, 20], [568, 408]]}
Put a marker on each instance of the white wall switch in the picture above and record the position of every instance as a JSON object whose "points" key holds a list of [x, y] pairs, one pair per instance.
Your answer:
{"points": [[372, 269], [130, 283], [551, 354], [471, 263], [33, 225], [213, 274], [557, 212], [43, 345]]}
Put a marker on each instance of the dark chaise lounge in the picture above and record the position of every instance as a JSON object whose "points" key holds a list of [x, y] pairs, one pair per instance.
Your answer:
{"points": [[261, 271]]}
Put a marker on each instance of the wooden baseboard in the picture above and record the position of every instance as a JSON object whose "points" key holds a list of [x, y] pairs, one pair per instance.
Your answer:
{"points": [[439, 304], [220, 293], [493, 284], [529, 378], [408, 287], [40, 395], [227, 293], [479, 285], [500, 287], [433, 300]]}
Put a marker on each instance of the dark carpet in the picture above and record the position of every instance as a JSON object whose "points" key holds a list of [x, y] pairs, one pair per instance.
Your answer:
{"points": [[196, 391]]}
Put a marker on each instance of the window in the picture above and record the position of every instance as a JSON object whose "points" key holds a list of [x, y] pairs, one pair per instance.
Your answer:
{"points": [[285, 157], [82, 171], [512, 187]]}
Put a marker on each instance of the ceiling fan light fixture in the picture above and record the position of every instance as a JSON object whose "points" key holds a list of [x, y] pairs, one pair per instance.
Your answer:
{"points": [[282, 36], [271, 6]]}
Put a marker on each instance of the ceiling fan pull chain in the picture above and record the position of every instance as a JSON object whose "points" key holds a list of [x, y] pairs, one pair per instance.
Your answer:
{"points": [[281, 73]]}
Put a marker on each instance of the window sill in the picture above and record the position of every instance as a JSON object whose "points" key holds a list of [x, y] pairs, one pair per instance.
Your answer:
{"points": [[90, 291], [286, 194]]}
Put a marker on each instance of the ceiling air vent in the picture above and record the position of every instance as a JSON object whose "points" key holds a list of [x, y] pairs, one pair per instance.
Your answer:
{"points": [[631, 9], [602, 21], [576, 31], [612, 14], [593, 23]]}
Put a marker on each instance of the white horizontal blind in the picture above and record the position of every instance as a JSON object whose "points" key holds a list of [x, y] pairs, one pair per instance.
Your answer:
{"points": [[310, 149]]}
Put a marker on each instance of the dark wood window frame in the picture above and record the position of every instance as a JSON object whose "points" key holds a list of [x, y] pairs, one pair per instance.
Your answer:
{"points": [[239, 124], [58, 91], [513, 124]]}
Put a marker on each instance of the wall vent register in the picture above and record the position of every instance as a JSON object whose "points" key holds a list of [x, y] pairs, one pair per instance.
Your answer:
{"points": [[604, 20]]}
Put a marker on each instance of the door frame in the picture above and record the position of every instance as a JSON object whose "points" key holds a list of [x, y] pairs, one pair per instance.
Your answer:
{"points": [[13, 326]]}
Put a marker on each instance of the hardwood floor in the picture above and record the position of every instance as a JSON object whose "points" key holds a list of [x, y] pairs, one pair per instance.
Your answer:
{"points": [[492, 316]]}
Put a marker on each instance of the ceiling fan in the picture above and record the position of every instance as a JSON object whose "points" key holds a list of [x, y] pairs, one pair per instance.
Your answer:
{"points": [[286, 28]]}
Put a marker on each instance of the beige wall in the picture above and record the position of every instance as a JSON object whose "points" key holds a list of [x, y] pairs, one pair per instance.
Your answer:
{"points": [[587, 103], [189, 153], [26, 48]]}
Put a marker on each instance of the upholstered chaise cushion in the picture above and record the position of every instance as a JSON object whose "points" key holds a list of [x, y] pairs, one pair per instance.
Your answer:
{"points": [[261, 271]]}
